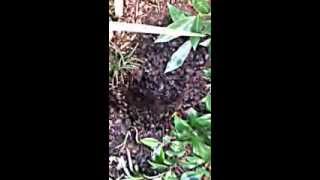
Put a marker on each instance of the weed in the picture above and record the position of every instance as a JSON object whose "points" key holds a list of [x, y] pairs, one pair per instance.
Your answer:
{"points": [[121, 65]]}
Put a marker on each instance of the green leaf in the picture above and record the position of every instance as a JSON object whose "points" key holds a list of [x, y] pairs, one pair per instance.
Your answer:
{"points": [[170, 153], [181, 125], [175, 13], [170, 175], [190, 175], [203, 121], [168, 162], [184, 24], [191, 114], [195, 160], [188, 166], [178, 149], [177, 146], [197, 25], [192, 162], [207, 101], [201, 6], [202, 171], [158, 155], [178, 57], [194, 41], [183, 136], [158, 166], [201, 149], [150, 142]]}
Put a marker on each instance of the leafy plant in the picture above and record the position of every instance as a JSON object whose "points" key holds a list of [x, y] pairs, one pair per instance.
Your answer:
{"points": [[183, 21], [188, 147], [120, 65], [184, 24]]}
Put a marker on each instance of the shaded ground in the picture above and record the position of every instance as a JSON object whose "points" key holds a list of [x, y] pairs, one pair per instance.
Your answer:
{"points": [[152, 96]]}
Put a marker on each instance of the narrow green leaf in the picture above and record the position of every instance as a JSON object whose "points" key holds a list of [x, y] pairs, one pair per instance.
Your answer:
{"points": [[158, 166], [178, 57], [201, 6], [190, 175], [150, 142], [197, 25], [194, 41], [207, 101], [158, 155], [175, 13], [184, 24]]}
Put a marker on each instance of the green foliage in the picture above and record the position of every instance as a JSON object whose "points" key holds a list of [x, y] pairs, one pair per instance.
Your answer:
{"points": [[150, 142], [190, 23], [189, 147], [179, 56], [175, 13], [120, 65], [202, 6]]}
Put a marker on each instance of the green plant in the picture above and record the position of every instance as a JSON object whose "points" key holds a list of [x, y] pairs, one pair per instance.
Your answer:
{"points": [[120, 65], [188, 146], [184, 24], [184, 21]]}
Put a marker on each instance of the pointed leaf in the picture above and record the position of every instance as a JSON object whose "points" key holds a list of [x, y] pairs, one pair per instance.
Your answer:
{"points": [[197, 25], [178, 57], [158, 155], [181, 125], [157, 166], [150, 142], [195, 41], [175, 13]]}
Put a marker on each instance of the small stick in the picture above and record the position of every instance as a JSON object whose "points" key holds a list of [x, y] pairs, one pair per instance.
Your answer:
{"points": [[142, 28]]}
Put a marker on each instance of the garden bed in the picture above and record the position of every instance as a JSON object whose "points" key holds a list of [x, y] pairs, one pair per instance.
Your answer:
{"points": [[143, 104]]}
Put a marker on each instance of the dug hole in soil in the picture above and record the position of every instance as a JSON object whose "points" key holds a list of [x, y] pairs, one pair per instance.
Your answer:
{"points": [[151, 98]]}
